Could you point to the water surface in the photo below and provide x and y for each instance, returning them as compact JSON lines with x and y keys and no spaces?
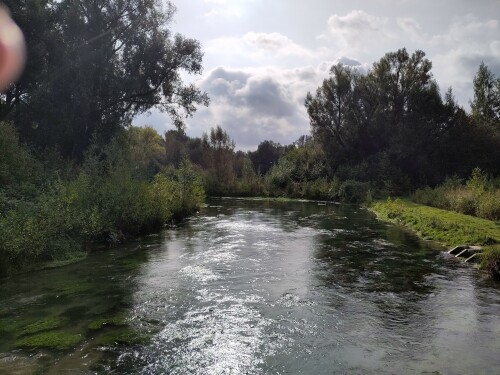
{"x":252,"y":287}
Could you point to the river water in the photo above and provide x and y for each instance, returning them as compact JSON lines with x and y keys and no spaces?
{"x":253,"y":287}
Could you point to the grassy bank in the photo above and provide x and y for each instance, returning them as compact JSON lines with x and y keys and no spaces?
{"x":447,"y":227}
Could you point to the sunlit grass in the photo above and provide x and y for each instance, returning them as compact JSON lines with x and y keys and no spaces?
{"x":447,"y":227}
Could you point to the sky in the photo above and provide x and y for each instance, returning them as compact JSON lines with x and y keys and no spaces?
{"x":261,"y":57}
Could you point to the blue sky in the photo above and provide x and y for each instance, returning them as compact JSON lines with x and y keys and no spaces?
{"x":263,"y":56}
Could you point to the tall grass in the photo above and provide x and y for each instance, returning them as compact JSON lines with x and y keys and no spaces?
{"x":478,"y":196}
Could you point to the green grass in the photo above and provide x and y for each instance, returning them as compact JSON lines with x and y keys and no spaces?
{"x":447,"y":227}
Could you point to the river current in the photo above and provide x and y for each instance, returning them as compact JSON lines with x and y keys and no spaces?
{"x":255,"y":287}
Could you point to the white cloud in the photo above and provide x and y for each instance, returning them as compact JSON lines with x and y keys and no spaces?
{"x":259,"y":92}
{"x":226,"y":9}
{"x":275,"y":43}
{"x":255,"y":104}
{"x":357,"y":28}
{"x":411,"y":27}
{"x":467,"y":42}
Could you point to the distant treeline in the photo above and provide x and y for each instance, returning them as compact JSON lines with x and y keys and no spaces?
{"x":386,"y":132}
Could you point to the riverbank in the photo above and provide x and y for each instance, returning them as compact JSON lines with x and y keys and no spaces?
{"x":53,"y":211}
{"x":447,"y":227}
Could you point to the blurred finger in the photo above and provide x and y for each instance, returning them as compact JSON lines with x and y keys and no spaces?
{"x":12,"y":50}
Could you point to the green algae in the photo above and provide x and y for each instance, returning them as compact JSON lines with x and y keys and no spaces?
{"x":42,"y":325}
{"x":133,"y":263}
{"x":116,"y":321}
{"x":55,"y":340}
{"x":121,"y":336}
{"x":10,"y":325}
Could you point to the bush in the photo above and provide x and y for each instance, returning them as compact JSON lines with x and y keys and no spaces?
{"x":479,"y":196}
{"x":19,"y":171}
{"x":41,"y":230}
{"x":488,"y":206}
{"x":490,"y":261}
{"x":354,"y":191}
{"x":109,"y":198}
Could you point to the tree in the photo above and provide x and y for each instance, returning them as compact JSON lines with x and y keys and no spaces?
{"x":329,"y":109}
{"x":219,"y":149}
{"x":486,"y":104}
{"x":266,"y":155}
{"x":403,"y":81}
{"x":386,"y":125}
{"x":101,"y":63}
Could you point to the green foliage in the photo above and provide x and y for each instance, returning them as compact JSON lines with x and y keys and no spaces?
{"x":93,"y":66}
{"x":19,"y":171}
{"x":478,"y":197}
{"x":490,"y":261}
{"x":111,"y":197}
{"x":486,"y":104}
{"x":281,"y":175}
{"x":266,"y":156}
{"x":354,"y":191}
{"x":431,"y":223}
{"x":391,"y":128}
{"x":478,"y":182}
{"x":220,"y":174}
{"x":39,"y":230}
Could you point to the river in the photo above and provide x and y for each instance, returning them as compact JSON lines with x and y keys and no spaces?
{"x":255,"y":287}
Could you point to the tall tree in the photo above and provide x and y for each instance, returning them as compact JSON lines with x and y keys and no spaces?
{"x":266,"y":155}
{"x":329,"y":109}
{"x":219,"y":149}
{"x":486,"y":104}
{"x":385,"y":125}
{"x":102,"y":62}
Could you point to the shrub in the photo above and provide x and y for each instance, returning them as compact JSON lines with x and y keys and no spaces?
{"x":19,"y":171}
{"x":352,"y":191}
{"x":461,"y":200}
{"x":107,"y":199}
{"x":479,"y":196}
{"x":488,"y":206}
{"x":490,"y":262}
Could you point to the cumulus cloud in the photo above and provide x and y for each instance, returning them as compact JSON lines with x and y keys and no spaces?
{"x":467,"y":42}
{"x":259,"y":93}
{"x":255,"y":104}
{"x":225,"y":9}
{"x":357,"y":27}
{"x":411,"y":27}
{"x":275,"y":43}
